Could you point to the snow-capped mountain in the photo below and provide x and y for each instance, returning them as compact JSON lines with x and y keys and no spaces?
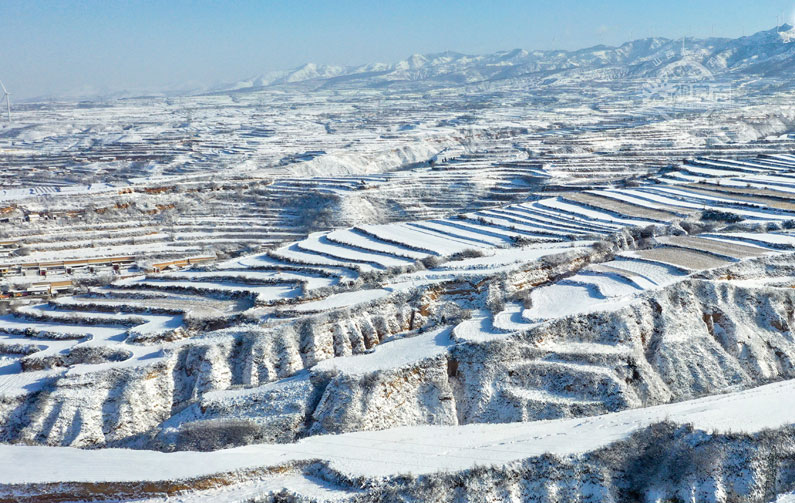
{"x":770,"y":53}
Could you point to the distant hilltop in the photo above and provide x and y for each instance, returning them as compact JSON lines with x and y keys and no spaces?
{"x":769,"y":53}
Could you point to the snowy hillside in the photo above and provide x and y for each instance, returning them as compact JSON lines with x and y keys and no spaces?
{"x":592,"y":302}
{"x":540,"y":276}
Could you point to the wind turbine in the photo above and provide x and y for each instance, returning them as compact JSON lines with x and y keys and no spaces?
{"x":6,"y":94}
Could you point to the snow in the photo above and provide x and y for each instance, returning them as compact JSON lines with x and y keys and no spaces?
{"x":416,"y":449}
{"x":10,"y":322}
{"x":757,"y":238}
{"x":459,"y":231}
{"x":349,"y":237}
{"x":87,"y":252}
{"x":561,"y":300}
{"x":558,"y":220}
{"x":608,"y":284}
{"x":263,"y":292}
{"x":679,"y":258}
{"x":333,"y":182}
{"x":15,"y":382}
{"x":479,"y":328}
{"x":513,"y":222}
{"x":591,"y":214}
{"x":657,"y":273}
{"x":293,"y":253}
{"x":393,"y":354}
{"x":506,"y":256}
{"x":510,"y":319}
{"x":418,"y":239}
{"x":261,"y":261}
{"x":253,"y":489}
{"x":27,"y":192}
{"x":729,"y":204}
{"x":312,"y":281}
{"x":495,"y":261}
{"x":716,"y":247}
{"x":651,"y":196}
{"x":647,"y":200}
{"x":340,"y":300}
{"x":318,"y":243}
{"x":711,"y":172}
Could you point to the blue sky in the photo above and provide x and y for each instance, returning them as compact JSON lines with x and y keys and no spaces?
{"x":51,"y":47}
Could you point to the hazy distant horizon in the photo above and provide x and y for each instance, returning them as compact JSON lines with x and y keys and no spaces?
{"x":85,"y":47}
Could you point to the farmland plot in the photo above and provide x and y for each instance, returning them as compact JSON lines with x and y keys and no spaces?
{"x":349,"y":295}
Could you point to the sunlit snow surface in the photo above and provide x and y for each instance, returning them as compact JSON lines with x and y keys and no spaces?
{"x":415,"y":450}
{"x":387,"y":272}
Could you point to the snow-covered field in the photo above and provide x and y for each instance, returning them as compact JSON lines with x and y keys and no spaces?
{"x":377,"y":334}
{"x":324,"y":290}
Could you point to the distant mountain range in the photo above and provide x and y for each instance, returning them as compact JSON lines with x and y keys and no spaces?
{"x":768,"y":53}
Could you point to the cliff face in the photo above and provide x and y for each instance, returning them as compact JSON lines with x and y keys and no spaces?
{"x":698,"y":336}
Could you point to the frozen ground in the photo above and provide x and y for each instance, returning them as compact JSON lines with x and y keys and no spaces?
{"x":430,"y":289}
{"x":408,"y":450}
{"x":363,"y":338}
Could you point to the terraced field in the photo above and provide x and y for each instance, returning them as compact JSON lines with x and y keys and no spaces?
{"x":512,"y":283}
{"x":610,"y":309}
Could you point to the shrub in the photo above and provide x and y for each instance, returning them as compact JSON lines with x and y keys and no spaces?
{"x":720,"y":216}
{"x":468,"y":253}
{"x":432,"y":261}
